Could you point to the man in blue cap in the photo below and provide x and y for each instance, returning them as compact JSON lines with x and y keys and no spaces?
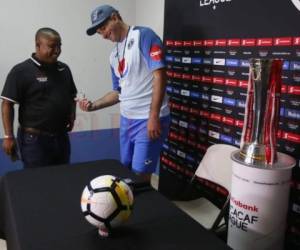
{"x":139,"y":81}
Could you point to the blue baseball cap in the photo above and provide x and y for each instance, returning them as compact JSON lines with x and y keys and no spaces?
{"x":99,"y":16}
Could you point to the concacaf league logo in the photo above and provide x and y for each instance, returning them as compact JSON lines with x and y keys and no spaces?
{"x":296,"y":3}
{"x":213,"y":3}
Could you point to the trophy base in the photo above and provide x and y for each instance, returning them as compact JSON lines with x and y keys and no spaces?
{"x":253,"y":154}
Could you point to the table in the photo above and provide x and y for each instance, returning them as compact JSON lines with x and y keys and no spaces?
{"x":40,"y":210}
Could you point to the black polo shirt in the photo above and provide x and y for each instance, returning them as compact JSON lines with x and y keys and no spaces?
{"x":45,"y":94}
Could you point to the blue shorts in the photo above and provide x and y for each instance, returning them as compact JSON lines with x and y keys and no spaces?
{"x":138,"y":152}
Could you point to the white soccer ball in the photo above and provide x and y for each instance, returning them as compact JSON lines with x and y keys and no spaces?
{"x":106,"y":202}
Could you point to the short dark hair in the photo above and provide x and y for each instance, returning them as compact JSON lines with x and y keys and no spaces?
{"x":46,"y":31}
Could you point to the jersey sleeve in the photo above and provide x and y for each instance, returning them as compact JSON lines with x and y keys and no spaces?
{"x":12,"y":87}
{"x":152,"y":49}
{"x":115,"y":81}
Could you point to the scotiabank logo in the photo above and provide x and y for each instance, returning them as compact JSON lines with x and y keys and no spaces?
{"x":252,"y":208}
{"x":156,"y":53}
{"x":296,"y":3}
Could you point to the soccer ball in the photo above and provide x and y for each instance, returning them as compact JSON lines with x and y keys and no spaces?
{"x":106,"y":202}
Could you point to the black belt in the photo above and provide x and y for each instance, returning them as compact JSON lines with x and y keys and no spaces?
{"x":37,"y":131}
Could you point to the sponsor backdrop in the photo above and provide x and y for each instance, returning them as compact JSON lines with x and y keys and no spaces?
{"x":207,"y":47}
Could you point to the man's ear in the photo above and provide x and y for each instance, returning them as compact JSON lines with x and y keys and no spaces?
{"x":114,"y":16}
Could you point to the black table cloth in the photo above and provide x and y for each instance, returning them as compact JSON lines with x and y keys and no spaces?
{"x":40,"y":210}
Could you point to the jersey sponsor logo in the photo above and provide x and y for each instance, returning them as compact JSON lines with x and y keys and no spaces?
{"x":42,"y":79}
{"x":156,"y":53}
{"x":296,"y":3}
{"x":130,"y":44}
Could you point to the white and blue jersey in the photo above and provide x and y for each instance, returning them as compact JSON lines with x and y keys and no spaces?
{"x":132,"y":75}
{"x":132,"y":63}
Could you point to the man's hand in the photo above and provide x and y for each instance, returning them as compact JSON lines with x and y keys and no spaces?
{"x":9,"y":146}
{"x":154,"y":128}
{"x":84,"y":104}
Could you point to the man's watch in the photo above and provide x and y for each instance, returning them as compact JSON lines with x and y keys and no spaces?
{"x":8,"y":137}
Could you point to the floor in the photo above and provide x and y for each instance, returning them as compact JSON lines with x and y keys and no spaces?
{"x":202,"y":211}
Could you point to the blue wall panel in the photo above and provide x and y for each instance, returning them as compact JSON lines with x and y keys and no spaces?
{"x":86,"y":146}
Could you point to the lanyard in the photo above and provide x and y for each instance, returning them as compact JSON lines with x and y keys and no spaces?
{"x":121,"y":62}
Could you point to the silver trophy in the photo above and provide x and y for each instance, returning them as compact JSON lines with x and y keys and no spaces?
{"x":258,"y":142}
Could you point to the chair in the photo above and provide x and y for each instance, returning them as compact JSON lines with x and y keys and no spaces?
{"x":212,"y":181}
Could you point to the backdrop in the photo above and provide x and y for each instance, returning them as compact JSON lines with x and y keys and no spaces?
{"x":207,"y":47}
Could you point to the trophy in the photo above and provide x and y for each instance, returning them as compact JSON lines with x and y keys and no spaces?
{"x":258,"y":142}
{"x":260,"y":175}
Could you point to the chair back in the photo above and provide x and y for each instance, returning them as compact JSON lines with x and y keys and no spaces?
{"x":216,"y":165}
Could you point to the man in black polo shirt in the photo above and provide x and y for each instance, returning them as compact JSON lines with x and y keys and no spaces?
{"x":44,"y":89}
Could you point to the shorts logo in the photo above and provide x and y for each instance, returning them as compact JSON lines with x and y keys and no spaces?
{"x":148,"y":162}
{"x":156,"y":53}
{"x":296,"y":3}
